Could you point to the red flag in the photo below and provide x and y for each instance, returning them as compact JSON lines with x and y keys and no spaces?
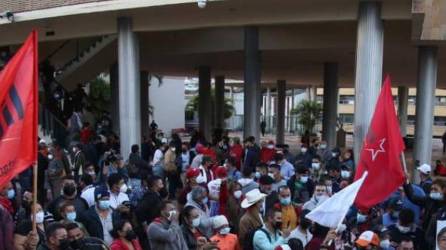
{"x":381,"y":152}
{"x":18,"y":111}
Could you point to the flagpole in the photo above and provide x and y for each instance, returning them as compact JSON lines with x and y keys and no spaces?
{"x":34,"y":207}
{"x":404,"y":163}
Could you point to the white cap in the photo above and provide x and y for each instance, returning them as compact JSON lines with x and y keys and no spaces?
{"x":425,"y":169}
{"x":42,"y":141}
{"x":219,"y":221}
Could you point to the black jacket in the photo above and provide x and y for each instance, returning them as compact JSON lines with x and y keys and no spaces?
{"x":302,"y":195}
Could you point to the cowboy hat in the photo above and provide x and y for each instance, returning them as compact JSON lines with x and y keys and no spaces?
{"x":252,"y":197}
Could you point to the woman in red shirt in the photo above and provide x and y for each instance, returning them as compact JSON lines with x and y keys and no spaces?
{"x":124,"y":237}
{"x":236,"y":152}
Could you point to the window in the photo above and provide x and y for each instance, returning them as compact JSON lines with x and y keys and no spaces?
{"x":347,"y":99}
{"x":346,"y":118}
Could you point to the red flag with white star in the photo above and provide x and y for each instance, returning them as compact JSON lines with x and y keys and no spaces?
{"x":380,"y":154}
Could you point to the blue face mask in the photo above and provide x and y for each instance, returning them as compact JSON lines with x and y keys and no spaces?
{"x":71,"y":216}
{"x":258,"y":175}
{"x":360,"y":218}
{"x":205,"y":201}
{"x":11,"y":194}
{"x":104,"y":204}
{"x":285,"y":201}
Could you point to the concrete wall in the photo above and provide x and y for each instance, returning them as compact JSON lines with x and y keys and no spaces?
{"x":28,"y":5}
{"x":168,"y":101}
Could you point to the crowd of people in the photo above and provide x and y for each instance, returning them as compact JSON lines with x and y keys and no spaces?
{"x":177,"y":194}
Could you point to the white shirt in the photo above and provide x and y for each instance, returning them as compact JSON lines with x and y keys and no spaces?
{"x":196,"y":162}
{"x":203,"y":177}
{"x":116,"y":200}
{"x":297,"y":234}
{"x":214,"y":188}
{"x":185,"y":157}
{"x":88,"y":195}
{"x":158,"y":156}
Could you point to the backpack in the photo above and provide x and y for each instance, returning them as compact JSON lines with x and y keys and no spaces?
{"x":248,"y":242}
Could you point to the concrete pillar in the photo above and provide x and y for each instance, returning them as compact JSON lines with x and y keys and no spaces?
{"x":145,"y":82}
{"x":204,"y":102}
{"x":268,"y":109}
{"x":330,"y":104}
{"x":426,"y":84}
{"x":252,"y":90}
{"x":114,"y":84}
{"x":129,"y":86}
{"x":219,"y":102}
{"x":281,"y":96}
{"x":369,"y":61}
{"x":403,"y":98}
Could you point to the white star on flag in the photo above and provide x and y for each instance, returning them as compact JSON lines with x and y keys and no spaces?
{"x":375,"y":152}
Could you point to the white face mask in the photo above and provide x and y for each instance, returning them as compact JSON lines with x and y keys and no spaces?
{"x":323,"y":146}
{"x":304,"y":179}
{"x":333,"y":154}
{"x":316,"y":165}
{"x":345,"y":174}
{"x":196,"y":222}
{"x":403,"y":229}
{"x":123,"y":188}
{"x":271,"y":175}
{"x":238,"y":194}
{"x":303,"y":150}
{"x":329,"y":189}
{"x":171,"y":215}
{"x":50,"y":157}
{"x":173,"y":149}
{"x":270,"y":146}
{"x":40,"y":216}
{"x":385,"y":244}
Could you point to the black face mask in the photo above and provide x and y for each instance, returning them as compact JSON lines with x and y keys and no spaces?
{"x":77,"y":244}
{"x":64,"y":244}
{"x":305,"y":224}
{"x":69,"y":190}
{"x":278,"y":225}
{"x":130,"y":235}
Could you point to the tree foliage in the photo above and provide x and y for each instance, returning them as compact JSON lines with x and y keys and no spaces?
{"x":308,"y":113}
{"x":192,"y":106}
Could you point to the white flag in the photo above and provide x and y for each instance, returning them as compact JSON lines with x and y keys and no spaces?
{"x":332,"y":212}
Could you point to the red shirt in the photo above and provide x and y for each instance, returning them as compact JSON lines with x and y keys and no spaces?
{"x":120,"y":245}
{"x":85,"y":135}
{"x":267,"y":154}
{"x":440,"y":170}
{"x":237,"y":153}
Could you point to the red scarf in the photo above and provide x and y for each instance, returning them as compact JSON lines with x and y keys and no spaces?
{"x":7,"y":204}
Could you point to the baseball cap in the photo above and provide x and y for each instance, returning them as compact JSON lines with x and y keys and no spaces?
{"x":192,"y":172}
{"x":425,"y":168}
{"x":101,"y":192}
{"x":368,"y":238}
{"x":221,"y":172}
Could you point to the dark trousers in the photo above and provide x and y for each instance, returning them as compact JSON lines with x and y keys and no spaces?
{"x":175,"y":183}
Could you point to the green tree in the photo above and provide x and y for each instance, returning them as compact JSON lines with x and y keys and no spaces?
{"x":99,"y":98}
{"x":192,"y":107}
{"x":308,"y":113}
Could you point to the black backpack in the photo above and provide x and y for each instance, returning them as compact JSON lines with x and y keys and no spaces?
{"x":248,"y":243}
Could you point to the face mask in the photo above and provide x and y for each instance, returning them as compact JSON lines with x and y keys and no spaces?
{"x":304,"y":179}
{"x":130,"y":235}
{"x":285,"y":201}
{"x":385,"y":244}
{"x":171,"y":215}
{"x":77,"y":244}
{"x":225,"y":230}
{"x":196,"y":222}
{"x":323,"y":146}
{"x":71,"y":216}
{"x":50,"y":157}
{"x":258,"y":175}
{"x":333,"y":155}
{"x":200,"y":179}
{"x":270,"y":146}
{"x":69,"y":190}
{"x":104,"y":204}
{"x":329,"y":189}
{"x":92,"y":173}
{"x":237,"y":194}
{"x":361,"y":218}
{"x":345,"y":174}
{"x":436,"y":196}
{"x":11,"y":194}
{"x":64,"y":244}
{"x":173,"y":149}
{"x":403,"y":229}
{"x":303,"y":150}
{"x":271,"y":175}
{"x":74,"y":150}
{"x":395,"y":214}
{"x":320,"y":198}
{"x":123,"y":188}
{"x":40,"y":216}
{"x":315,"y":165}
{"x":204,"y":200}
{"x":278,"y":225}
